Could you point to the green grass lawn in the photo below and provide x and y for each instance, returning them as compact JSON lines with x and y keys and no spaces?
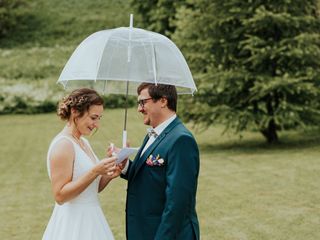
{"x":247,"y":190}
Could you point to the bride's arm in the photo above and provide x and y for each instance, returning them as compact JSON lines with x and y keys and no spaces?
{"x":105,"y":179}
{"x":61,"y":168}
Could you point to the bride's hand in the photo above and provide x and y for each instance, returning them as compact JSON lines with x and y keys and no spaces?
{"x":116,"y":173}
{"x":106,"y":166}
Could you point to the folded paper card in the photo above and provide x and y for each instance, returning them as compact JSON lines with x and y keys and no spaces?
{"x":125,"y":153}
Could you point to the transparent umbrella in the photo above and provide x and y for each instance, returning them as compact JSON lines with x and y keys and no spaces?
{"x":118,"y":60}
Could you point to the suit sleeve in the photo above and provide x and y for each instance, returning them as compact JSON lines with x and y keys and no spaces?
{"x":182,"y":174}
{"x":125,"y":176}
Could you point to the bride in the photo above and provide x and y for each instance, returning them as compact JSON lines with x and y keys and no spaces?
{"x":76,"y":173}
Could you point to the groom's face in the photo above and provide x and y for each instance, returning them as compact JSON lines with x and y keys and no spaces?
{"x":149,"y":108}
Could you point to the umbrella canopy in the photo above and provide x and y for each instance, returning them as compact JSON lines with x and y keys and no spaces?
{"x":110,"y":58}
{"x":118,"y":60}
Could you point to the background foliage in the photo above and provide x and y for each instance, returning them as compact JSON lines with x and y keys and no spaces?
{"x":11,"y":14}
{"x":157,"y":15}
{"x":38,"y":43}
{"x":256,"y":63}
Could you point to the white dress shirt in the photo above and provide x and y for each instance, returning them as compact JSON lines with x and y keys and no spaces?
{"x":159,"y":129}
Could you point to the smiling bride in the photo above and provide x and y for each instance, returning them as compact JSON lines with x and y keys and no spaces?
{"x":76,"y":174}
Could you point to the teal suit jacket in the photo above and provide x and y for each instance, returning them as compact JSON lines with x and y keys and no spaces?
{"x":161,"y":199}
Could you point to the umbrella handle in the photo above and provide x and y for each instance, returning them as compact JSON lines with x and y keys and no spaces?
{"x":124,"y":139}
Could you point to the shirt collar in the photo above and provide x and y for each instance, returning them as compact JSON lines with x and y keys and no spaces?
{"x":165,"y":124}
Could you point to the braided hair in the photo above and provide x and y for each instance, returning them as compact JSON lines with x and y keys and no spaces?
{"x":80,"y":100}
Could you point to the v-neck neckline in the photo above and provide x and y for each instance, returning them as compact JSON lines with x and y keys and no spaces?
{"x":87,"y":155}
{"x":93,"y":161}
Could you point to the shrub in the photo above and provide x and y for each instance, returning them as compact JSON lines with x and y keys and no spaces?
{"x":28,"y":100}
{"x":10,"y":11}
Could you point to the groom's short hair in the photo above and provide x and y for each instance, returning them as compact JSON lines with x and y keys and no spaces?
{"x":161,"y":91}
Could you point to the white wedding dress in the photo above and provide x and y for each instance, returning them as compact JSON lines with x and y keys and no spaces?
{"x":81,"y":218}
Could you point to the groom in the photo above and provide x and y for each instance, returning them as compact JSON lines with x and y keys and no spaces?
{"x":162,"y":179}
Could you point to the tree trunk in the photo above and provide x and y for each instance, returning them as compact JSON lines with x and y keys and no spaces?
{"x":270,"y":133}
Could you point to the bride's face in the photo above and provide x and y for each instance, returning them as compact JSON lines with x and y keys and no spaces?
{"x":90,"y":120}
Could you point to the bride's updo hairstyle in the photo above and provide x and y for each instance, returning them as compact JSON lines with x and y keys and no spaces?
{"x":80,"y":100}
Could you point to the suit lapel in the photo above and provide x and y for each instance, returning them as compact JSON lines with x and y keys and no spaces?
{"x":136,"y":159}
{"x":140,"y":160}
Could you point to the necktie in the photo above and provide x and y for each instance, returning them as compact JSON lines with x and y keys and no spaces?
{"x":152,"y":132}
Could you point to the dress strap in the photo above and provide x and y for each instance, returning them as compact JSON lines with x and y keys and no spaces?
{"x":53,"y":142}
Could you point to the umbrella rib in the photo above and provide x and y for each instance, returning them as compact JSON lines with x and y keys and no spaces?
{"x":153,"y":62}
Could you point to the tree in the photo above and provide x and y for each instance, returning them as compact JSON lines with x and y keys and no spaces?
{"x":10,"y":11}
{"x":157,"y":15}
{"x":256,"y":63}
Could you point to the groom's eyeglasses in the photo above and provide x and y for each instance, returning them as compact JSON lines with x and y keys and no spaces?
{"x":142,"y":102}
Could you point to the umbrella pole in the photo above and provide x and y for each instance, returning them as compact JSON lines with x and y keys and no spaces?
{"x":124,"y":134}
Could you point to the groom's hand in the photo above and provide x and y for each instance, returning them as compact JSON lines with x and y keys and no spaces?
{"x":122,"y":164}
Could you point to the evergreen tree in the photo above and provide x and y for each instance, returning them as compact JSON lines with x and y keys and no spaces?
{"x":257,"y":63}
{"x":157,"y":15}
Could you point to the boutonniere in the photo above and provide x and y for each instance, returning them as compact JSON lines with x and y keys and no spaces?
{"x":155,"y":161}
